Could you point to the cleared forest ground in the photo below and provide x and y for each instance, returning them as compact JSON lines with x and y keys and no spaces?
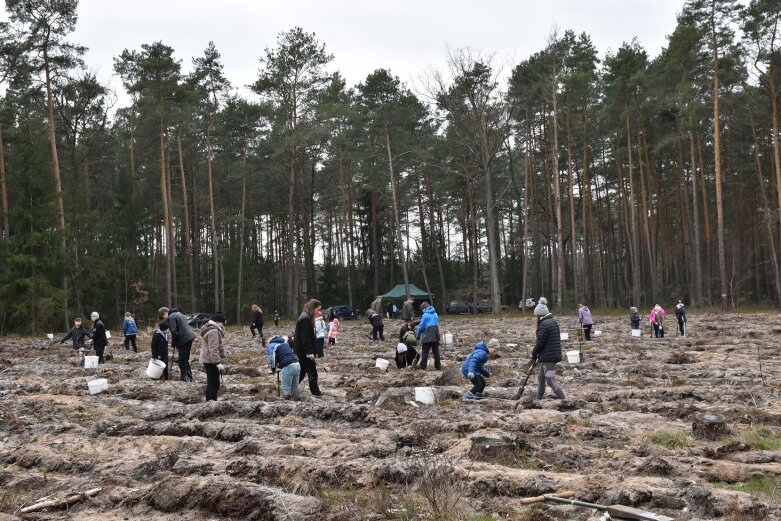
{"x":623,"y":436}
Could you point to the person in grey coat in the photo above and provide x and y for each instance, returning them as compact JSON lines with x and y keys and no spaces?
{"x":182,"y":336}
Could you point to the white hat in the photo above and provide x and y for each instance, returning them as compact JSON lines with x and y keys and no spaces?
{"x":94,"y":315}
{"x":493,"y":343}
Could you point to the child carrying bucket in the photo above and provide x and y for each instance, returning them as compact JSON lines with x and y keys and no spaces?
{"x":160,"y":346}
{"x":79,"y":334}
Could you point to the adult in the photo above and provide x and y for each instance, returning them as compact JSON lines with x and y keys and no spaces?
{"x":98,"y":335}
{"x":408,"y":310}
{"x":428,"y":335}
{"x":656,"y":318}
{"x":585,"y":319}
{"x":257,"y":321}
{"x":305,"y":347}
{"x":182,"y":337}
{"x":129,"y":330}
{"x":376,"y":305}
{"x":394,"y":311}
{"x":212,"y":353}
{"x":547,"y":350}
{"x":680,"y":315}
{"x":473,"y":367}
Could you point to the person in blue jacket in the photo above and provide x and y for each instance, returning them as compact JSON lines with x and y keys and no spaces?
{"x":282,"y":358}
{"x":428,"y":335}
{"x":129,"y":330}
{"x":473,"y":367}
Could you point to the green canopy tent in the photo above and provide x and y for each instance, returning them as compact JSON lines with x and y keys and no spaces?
{"x":415,"y":293}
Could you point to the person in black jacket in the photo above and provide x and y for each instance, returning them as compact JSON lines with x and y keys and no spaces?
{"x":680,"y":315}
{"x":304,"y":345}
{"x":257,"y":321}
{"x":79,"y":334}
{"x":98,"y":334}
{"x":547,"y":350}
{"x":375,"y":319}
{"x":160,"y":346}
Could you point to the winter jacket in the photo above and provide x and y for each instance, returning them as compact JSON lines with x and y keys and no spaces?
{"x":376,"y":306}
{"x":407,"y":311}
{"x":257,"y":320}
{"x":212,"y":350}
{"x":548,"y":346}
{"x":657,"y":317}
{"x":404,"y":330}
{"x":280,"y":354}
{"x":634,"y":320}
{"x":584,"y":316}
{"x":319,"y":327}
{"x":375,"y":319}
{"x":333,"y":330}
{"x":304,"y":337}
{"x":98,"y":335}
{"x":680,"y":313}
{"x":79,"y":334}
{"x":181,"y":332}
{"x":476,"y":360}
{"x":428,"y":330}
{"x":159,"y":342}
{"x":129,"y":326}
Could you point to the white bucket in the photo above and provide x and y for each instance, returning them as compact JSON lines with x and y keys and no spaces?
{"x":381,"y":364}
{"x":50,"y":336}
{"x":90,"y":362}
{"x":425,"y":395}
{"x":448,"y":338}
{"x":573,"y":357}
{"x":597,"y":332}
{"x":637,"y":332}
{"x":155,"y":369}
{"x":565,"y":336}
{"x":98,"y":386}
{"x":108,"y":334}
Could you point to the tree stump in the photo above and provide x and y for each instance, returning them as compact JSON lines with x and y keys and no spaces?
{"x":709,"y":426}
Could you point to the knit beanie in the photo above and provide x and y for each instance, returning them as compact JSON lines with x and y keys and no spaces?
{"x":219,"y":317}
{"x":493,"y":343}
{"x":542,"y":307}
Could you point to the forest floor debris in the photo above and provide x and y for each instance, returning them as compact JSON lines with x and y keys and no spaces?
{"x":369,"y":451}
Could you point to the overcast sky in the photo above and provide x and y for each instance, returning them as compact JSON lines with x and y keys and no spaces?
{"x":405,"y":36}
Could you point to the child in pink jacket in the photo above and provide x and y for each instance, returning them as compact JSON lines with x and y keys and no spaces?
{"x":333,"y":331}
{"x":656,"y":317}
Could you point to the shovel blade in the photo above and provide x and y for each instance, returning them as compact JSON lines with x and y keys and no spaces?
{"x":623,"y":512}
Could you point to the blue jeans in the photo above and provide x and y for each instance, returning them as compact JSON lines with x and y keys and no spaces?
{"x":289,"y":380}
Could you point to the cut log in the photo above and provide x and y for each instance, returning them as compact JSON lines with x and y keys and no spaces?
{"x":61,"y":503}
{"x":709,"y":426}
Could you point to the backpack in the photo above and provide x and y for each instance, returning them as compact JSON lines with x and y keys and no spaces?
{"x":409,"y":338}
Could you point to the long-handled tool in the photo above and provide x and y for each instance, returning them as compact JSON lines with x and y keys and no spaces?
{"x":615,"y":511}
{"x":523,"y":385}
{"x":277,"y":383}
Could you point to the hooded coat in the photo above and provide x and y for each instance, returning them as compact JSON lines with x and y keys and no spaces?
{"x":428,"y":330}
{"x":212,"y":350}
{"x":476,"y":360}
{"x":548,"y":346}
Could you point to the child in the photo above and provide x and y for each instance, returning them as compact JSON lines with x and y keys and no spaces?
{"x":276,"y":318}
{"x":129,"y":330}
{"x":79,"y":334}
{"x":680,"y":314}
{"x":319,"y":333}
{"x":634,"y":318}
{"x":160,"y":346}
{"x":333,"y":330}
{"x":656,"y":317}
{"x":375,"y":319}
{"x":473,"y":367}
{"x":281,"y":357}
{"x":406,"y":355}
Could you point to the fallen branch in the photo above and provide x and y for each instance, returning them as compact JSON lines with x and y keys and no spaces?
{"x":61,"y":503}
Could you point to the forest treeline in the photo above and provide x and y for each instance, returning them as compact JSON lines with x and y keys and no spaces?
{"x":618,"y":181}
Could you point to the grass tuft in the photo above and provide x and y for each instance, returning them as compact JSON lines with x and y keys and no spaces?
{"x":761,"y":438}
{"x":768,"y":486}
{"x":672,"y":440}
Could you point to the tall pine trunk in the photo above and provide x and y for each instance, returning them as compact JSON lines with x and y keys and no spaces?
{"x":493,"y":246}
{"x":242,"y":214}
{"x":187,"y":238}
{"x":213,"y":218}
{"x":4,"y":190}
{"x":166,"y":218}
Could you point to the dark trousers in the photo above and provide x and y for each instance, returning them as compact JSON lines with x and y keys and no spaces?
{"x":212,"y":381}
{"x":434,"y":348}
{"x":407,"y":358}
{"x":478,"y":384}
{"x":681,"y":328}
{"x":259,"y":329}
{"x":658,"y":331}
{"x":587,"y":331}
{"x":161,"y":353}
{"x":99,"y":352}
{"x":319,"y":342}
{"x":185,"y":374}
{"x":309,"y":368}
{"x":379,"y":329}
{"x":131,"y":339}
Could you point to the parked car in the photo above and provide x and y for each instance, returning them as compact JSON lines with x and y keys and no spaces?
{"x":530,"y":304}
{"x":342,"y":312}
{"x":458,"y":307}
{"x":196,"y":320}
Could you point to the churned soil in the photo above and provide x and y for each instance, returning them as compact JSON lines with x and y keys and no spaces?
{"x":367,"y":450}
